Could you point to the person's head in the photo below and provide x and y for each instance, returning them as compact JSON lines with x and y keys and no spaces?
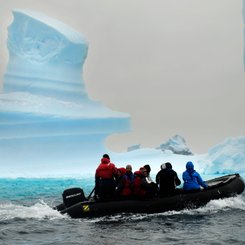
{"x":189,"y":166}
{"x":106,"y":156}
{"x":143,"y":171}
{"x":137,"y":173}
{"x":148,"y":168}
{"x":128,"y":168}
{"x":168,"y":165}
{"x":121,"y":171}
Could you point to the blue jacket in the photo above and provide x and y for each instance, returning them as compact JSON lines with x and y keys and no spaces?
{"x":192,"y":179}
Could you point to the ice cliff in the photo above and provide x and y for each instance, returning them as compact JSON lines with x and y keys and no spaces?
{"x":46,"y":117}
{"x":226,"y":157}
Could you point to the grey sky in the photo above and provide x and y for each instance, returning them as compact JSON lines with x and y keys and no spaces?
{"x":176,"y":66}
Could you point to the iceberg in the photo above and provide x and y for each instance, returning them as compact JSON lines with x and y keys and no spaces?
{"x":226,"y":157}
{"x":47,"y":120}
{"x":177,"y":145}
{"x":49,"y":127}
{"x":45,"y":58}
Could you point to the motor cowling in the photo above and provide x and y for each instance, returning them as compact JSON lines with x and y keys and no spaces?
{"x":72,"y":196}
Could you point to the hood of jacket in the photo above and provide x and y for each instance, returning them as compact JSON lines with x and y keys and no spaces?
{"x":105,"y":160}
{"x":190,"y":167}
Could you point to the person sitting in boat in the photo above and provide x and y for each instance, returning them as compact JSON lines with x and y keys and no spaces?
{"x":167,"y":180}
{"x":141,"y":188}
{"x":129,"y":173}
{"x":192,"y":179}
{"x":149,"y":179}
{"x":148,"y":170}
{"x":124,"y":186}
{"x":105,"y":184}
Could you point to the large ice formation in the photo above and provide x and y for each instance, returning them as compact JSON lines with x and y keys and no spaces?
{"x":46,"y":116}
{"x":177,"y":145}
{"x":226,"y":157}
{"x":50,"y":127}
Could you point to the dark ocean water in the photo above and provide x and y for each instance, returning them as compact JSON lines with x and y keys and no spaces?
{"x":27,"y":217}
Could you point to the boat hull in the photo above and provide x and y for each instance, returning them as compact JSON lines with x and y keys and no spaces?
{"x":223,"y":187}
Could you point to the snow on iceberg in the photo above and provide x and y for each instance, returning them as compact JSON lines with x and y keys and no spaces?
{"x":46,"y":57}
{"x":177,"y":145}
{"x":226,"y":157}
{"x":47,"y":121}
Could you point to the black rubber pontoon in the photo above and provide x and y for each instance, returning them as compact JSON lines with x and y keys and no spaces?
{"x":222,"y":187}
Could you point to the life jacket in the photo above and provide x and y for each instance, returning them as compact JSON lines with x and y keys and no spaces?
{"x":138,"y":189}
{"x":124,"y":184}
{"x":106,"y":169}
{"x":127,"y":187}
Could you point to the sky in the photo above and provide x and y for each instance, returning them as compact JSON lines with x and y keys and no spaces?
{"x":175,"y":66}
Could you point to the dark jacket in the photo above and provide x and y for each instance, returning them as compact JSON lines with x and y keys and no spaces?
{"x":130,"y":176}
{"x":167,"y":180}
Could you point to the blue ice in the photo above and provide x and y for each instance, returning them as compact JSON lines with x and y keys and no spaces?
{"x":48,"y":122}
{"x":50,"y":127}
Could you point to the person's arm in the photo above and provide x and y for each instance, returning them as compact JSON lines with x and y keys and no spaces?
{"x":144,"y":183}
{"x":148,"y":179}
{"x":201,"y":182}
{"x":158,"y":178}
{"x":177,"y":180}
{"x":114,"y":170}
{"x":184,"y":177}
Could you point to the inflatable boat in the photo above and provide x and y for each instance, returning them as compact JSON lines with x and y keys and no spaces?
{"x":77,"y":206}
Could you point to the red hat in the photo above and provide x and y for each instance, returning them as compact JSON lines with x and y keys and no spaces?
{"x":122,"y":170}
{"x":137,"y":173}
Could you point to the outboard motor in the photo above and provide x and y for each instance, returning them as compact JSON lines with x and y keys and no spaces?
{"x":72,"y":196}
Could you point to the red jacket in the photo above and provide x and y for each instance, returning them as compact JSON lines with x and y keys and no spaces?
{"x":124,"y":184}
{"x":106,"y":169}
{"x":126,"y":191}
{"x":139,"y":189}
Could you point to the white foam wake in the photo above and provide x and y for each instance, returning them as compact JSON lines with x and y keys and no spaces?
{"x":215,"y":206}
{"x":39,"y":211}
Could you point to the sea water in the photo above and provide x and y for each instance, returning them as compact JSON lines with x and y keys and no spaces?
{"x":27,"y":217}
